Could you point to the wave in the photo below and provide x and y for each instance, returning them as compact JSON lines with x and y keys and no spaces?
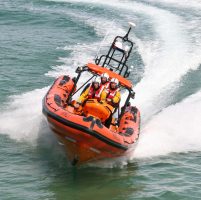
{"x":175,"y":129}
{"x":22,"y":117}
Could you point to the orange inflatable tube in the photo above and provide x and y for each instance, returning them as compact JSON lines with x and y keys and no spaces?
{"x":83,"y":134}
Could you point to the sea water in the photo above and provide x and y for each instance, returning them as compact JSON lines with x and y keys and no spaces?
{"x":42,"y":39}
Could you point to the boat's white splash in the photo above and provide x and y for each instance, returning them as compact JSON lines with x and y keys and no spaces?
{"x":22,"y":117}
{"x":175,"y":129}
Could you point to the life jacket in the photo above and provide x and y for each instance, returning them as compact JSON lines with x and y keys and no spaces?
{"x":95,"y":94}
{"x":111,"y":93}
{"x":106,"y":85}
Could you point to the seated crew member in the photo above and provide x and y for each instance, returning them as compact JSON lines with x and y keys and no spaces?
{"x":113,"y":97}
{"x":105,"y":80}
{"x":95,"y":91}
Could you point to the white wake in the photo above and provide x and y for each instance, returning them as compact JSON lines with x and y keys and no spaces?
{"x":22,"y":116}
{"x":175,"y":129}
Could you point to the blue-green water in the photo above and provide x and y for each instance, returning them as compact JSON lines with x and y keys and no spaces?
{"x":41,"y":39}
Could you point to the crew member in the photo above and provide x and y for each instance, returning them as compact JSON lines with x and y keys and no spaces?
{"x":95,"y":91}
{"x":113,"y":98}
{"x":113,"y":94}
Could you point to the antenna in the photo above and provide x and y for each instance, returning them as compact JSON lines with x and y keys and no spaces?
{"x":131,"y":24}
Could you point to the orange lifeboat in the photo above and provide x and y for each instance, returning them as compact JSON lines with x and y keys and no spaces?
{"x":82,"y":131}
